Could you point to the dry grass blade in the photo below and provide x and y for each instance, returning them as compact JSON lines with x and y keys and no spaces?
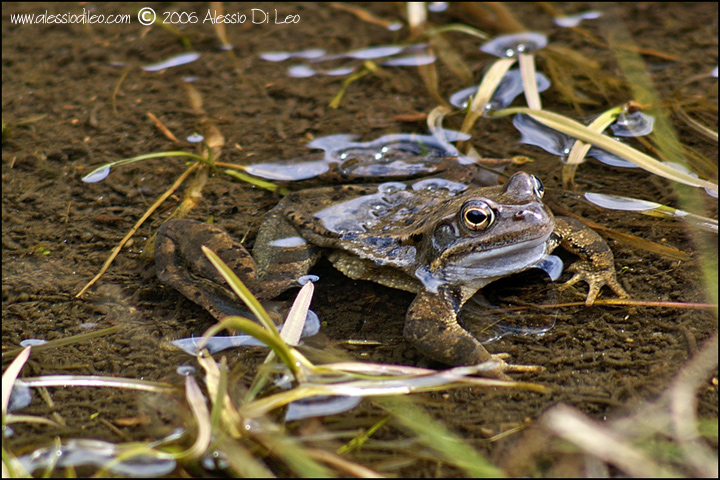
{"x":580,"y":149}
{"x":295,"y":322}
{"x":137,"y":225}
{"x":216,"y":380}
{"x":603,"y":121}
{"x":364,"y":15}
{"x":220,"y":26}
{"x":491,"y":80}
{"x":417,"y":17}
{"x":683,"y":404}
{"x":9,"y":376}
{"x":11,"y":418}
{"x":527,"y":71}
{"x":97,"y":381}
{"x":202,"y":419}
{"x":577,"y":130}
{"x":598,"y":440}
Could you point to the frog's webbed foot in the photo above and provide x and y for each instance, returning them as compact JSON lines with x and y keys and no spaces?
{"x":595,"y":278}
{"x":431,"y":326}
{"x":497,"y":367}
{"x":596,"y":264}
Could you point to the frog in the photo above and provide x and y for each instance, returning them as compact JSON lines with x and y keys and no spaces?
{"x":437,"y":238}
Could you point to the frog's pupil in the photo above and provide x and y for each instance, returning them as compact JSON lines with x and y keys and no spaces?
{"x":475,"y":216}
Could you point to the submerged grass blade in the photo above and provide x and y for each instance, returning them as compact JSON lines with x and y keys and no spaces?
{"x":294,"y":454}
{"x":137,"y":225}
{"x":435,"y":435}
{"x":368,"y":68}
{"x":460,"y":28}
{"x":243,"y":462}
{"x":63,"y":342}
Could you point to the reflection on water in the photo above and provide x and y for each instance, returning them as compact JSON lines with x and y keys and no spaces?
{"x":535,"y":133}
{"x":175,"y":61}
{"x":395,"y":155}
{"x":395,"y":55}
{"x":507,"y":46}
{"x":491,"y":313}
{"x":510,"y":87}
{"x":87,"y":452}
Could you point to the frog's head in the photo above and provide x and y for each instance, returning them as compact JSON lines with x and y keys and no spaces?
{"x":488,"y":233}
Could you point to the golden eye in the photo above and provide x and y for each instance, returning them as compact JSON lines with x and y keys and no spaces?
{"x":477,"y":215}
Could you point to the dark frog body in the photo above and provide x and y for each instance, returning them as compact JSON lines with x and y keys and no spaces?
{"x":439,"y":239}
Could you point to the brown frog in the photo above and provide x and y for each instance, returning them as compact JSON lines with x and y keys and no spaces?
{"x":437,"y":238}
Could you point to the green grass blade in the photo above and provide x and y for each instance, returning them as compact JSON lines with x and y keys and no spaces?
{"x":125,"y":161}
{"x":434,"y":434}
{"x":257,"y":182}
{"x":241,"y":290}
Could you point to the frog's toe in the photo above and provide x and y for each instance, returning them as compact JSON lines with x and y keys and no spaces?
{"x":596,"y":279}
{"x":497,"y":367}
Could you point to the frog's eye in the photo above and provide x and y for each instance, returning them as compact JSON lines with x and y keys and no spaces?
{"x":538,"y":186}
{"x":477,"y":215}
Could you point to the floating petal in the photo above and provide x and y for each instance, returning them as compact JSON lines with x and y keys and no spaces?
{"x":175,"y":61}
{"x":96,"y":175}
{"x":568,"y":21}
{"x":514,"y":44}
{"x":635,"y":124}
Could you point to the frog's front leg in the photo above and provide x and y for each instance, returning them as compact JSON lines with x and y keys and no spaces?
{"x":431,"y":326}
{"x":596,"y":263}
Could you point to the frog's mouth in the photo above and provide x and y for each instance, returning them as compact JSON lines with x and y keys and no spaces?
{"x":482,"y":267}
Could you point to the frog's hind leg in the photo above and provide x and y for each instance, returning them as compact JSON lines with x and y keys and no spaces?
{"x":180,"y":263}
{"x":282,"y":255}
